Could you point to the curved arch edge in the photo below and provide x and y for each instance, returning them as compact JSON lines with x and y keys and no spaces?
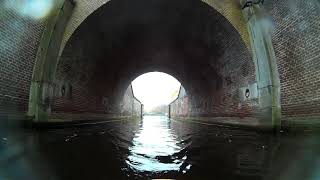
{"x":42,"y":85}
{"x":232,"y":11}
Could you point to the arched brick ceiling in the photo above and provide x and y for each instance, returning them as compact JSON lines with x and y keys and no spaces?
{"x":123,"y":39}
{"x":230,"y":9}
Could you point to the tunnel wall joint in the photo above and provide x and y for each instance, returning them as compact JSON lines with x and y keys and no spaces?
{"x":266,"y":66}
{"x":41,"y":89}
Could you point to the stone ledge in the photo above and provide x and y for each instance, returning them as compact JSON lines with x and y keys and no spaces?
{"x":311,"y":123}
{"x":69,"y":117}
{"x":235,"y":122}
{"x":65,"y":120}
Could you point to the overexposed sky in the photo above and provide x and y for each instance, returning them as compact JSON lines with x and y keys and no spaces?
{"x":35,"y":9}
{"x":155,"y":88}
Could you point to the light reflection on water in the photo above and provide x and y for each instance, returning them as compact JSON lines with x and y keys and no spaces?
{"x":156,"y":147}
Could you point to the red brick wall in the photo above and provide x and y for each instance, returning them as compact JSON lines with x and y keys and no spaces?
{"x":237,"y":70}
{"x":296,"y":41}
{"x":234,"y":69}
{"x":75,"y":71}
{"x":80,"y":90}
{"x":180,"y":107}
{"x":130,"y":105}
{"x":19,"y":39}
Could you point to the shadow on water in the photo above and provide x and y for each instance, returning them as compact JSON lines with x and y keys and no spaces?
{"x":157,"y":147}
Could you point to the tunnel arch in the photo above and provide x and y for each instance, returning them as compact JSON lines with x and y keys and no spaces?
{"x":191,"y":41}
{"x":37,"y":44}
{"x":230,"y":9}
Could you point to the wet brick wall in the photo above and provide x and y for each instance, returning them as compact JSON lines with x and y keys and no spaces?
{"x":296,"y":41}
{"x":236,"y":71}
{"x":20,"y":35}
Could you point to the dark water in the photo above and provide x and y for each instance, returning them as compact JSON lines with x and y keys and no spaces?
{"x":156,"y":147}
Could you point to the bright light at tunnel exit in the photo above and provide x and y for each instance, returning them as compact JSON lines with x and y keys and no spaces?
{"x":155,"y":88}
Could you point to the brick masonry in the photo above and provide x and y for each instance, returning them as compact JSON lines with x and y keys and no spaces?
{"x":19,"y":39}
{"x":235,"y":70}
{"x":228,"y":8}
{"x":81,"y":11}
{"x":213,"y":63}
{"x":77,"y":90}
{"x":295,"y":37}
{"x":296,"y":40}
{"x":73,"y":90}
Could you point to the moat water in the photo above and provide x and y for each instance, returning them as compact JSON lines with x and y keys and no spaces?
{"x":157,"y":147}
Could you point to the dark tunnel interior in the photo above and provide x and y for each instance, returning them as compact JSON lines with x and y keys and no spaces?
{"x":124,"y":39}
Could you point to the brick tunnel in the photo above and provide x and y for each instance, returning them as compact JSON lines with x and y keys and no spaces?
{"x":255,"y":62}
{"x":248,"y":106}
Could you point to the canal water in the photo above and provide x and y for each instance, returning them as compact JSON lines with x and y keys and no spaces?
{"x":157,"y":147}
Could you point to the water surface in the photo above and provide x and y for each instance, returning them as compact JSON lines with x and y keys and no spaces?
{"x":157,"y":147}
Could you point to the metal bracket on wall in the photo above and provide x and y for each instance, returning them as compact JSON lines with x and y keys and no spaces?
{"x":268,"y":81}
{"x":249,"y":92}
{"x":251,"y":3}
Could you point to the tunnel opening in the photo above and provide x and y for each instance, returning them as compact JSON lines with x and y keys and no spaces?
{"x":156,"y":90}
